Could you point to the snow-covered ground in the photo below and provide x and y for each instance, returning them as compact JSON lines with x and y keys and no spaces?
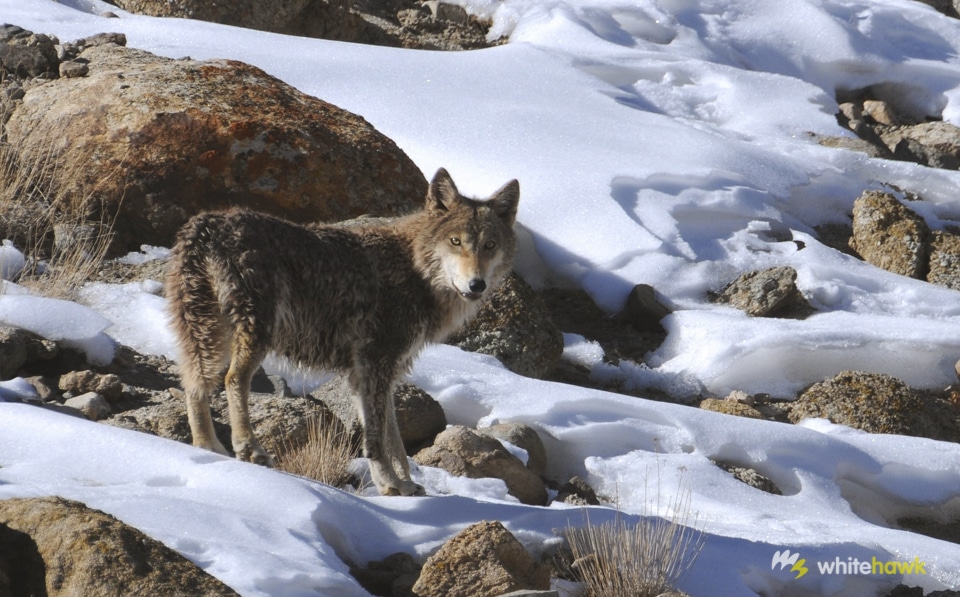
{"x":655,"y":142}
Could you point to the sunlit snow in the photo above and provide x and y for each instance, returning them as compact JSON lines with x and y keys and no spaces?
{"x":657,"y":142}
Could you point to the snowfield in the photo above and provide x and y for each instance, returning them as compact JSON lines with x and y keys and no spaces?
{"x":657,"y":142}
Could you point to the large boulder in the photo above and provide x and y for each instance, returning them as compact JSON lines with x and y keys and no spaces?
{"x":61,"y":548}
{"x":484,"y":560}
{"x":157,"y":140}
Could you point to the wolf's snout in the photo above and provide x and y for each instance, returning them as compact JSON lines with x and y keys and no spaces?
{"x":477,"y":286}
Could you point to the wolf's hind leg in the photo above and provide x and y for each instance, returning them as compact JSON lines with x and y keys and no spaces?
{"x":245,"y":356}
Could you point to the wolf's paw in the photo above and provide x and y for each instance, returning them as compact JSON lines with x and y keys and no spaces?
{"x":254,"y":453}
{"x":407,"y":488}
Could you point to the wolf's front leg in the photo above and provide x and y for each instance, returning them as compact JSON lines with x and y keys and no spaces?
{"x":382,"y":445}
{"x":243,"y":364}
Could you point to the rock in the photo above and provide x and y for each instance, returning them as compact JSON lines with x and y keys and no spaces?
{"x":643,"y":310}
{"x":419,"y":416}
{"x":515,"y":327}
{"x":326,"y":19}
{"x":878,"y":403}
{"x":395,"y":575}
{"x":92,"y":405}
{"x":164,"y":416}
{"x":768,"y":293}
{"x":935,"y":144}
{"x":21,"y":349}
{"x":731,"y":407}
{"x":874,"y":149}
{"x":62,"y":548}
{"x":524,"y":437}
{"x":80,"y":382}
{"x":444,"y":11}
{"x":467,"y":453}
{"x":873,"y":402}
{"x":751,"y":477}
{"x":279,"y":419}
{"x":484,"y":560}
{"x":24,"y":54}
{"x":578,"y":492}
{"x":947,"y":7}
{"x":881,"y":112}
{"x":73,"y":69}
{"x":890,"y":236}
{"x":944,"y":268}
{"x":189,"y":136}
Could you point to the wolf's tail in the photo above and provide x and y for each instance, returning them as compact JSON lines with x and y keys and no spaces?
{"x":196,"y":316}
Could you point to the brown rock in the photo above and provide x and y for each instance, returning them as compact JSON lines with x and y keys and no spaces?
{"x":80,"y":382}
{"x":484,"y":560}
{"x":63,"y":548}
{"x":524,"y":437}
{"x":162,"y":139}
{"x":889,"y":235}
{"x":935,"y":144}
{"x":944,"y":259}
{"x":878,"y":403}
{"x":467,"y":453}
{"x":731,"y":407}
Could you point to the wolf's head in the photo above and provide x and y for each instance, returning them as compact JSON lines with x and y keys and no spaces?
{"x":471,"y":242}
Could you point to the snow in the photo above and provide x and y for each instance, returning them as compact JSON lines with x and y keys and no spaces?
{"x":665,"y":142}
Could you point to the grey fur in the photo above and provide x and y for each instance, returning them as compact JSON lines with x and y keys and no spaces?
{"x":362,"y":297}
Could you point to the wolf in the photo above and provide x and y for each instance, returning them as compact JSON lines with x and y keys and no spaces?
{"x":362,"y":298}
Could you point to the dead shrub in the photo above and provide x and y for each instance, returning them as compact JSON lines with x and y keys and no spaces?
{"x":645,"y":558}
{"x":324,"y":456}
{"x":64,"y":232}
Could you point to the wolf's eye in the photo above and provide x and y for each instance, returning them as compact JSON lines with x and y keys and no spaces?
{"x":455,"y":241}
{"x":490,"y":245}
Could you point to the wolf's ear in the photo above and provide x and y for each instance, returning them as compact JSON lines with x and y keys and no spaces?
{"x":443,"y":194}
{"x":505,"y":201}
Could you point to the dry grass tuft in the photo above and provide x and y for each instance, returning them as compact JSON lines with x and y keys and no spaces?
{"x":644,"y":559}
{"x":324,"y":456}
{"x":64,"y":233}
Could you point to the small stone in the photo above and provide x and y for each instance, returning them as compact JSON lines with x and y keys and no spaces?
{"x":578,"y":492}
{"x":881,"y":112}
{"x":92,"y":405}
{"x":643,"y":310}
{"x":73,"y":69}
